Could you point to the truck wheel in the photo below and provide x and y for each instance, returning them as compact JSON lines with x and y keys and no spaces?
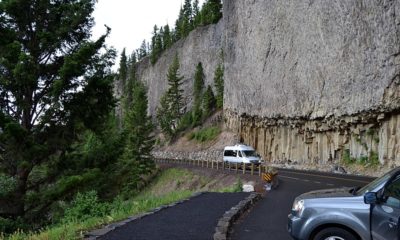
{"x":334,"y":233}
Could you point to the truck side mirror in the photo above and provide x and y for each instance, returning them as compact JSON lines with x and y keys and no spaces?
{"x":370,"y":198}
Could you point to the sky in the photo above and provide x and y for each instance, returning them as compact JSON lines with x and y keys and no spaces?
{"x":131,"y":21}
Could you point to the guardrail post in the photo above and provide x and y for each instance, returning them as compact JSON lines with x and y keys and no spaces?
{"x":207,"y":163}
{"x":236,"y":166}
{"x":212,"y":164}
{"x":229,"y":166}
{"x":252,"y":169}
{"x":244,"y":168}
{"x":217,"y":165}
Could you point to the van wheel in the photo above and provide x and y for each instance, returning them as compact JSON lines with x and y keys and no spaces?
{"x":334,"y":233}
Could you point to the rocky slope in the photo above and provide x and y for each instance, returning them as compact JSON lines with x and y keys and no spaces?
{"x":307,"y":81}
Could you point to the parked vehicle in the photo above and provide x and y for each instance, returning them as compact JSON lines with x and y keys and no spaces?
{"x":368,"y":213}
{"x":241,"y":153}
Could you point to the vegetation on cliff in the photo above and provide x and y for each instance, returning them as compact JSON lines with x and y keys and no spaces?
{"x":190,"y":17}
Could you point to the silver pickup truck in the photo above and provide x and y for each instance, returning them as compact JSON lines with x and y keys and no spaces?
{"x":368,"y":213}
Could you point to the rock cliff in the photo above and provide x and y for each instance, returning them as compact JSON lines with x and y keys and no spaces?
{"x":306,"y":81}
{"x":202,"y":45}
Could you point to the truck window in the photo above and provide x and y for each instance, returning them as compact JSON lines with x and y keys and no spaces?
{"x":392,"y":194}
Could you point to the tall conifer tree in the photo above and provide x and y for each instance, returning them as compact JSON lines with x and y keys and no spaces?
{"x":54,"y":84}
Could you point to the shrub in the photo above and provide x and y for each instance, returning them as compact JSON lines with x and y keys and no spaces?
{"x":84,"y":206}
{"x":205,"y":134}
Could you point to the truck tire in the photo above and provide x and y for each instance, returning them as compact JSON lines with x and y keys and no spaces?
{"x":334,"y":233}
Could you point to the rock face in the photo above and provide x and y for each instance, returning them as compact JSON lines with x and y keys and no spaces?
{"x":202,"y":45}
{"x":314,"y":81}
{"x":305,"y":81}
{"x":311,"y":58}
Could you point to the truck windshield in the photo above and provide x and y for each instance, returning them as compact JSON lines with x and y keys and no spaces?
{"x":374,"y":184}
{"x":249,"y":153}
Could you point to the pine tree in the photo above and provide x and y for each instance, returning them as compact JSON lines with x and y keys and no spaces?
{"x":170,"y":112}
{"x":175,"y":92}
{"x":123,"y":67}
{"x":198,"y":86}
{"x":178,"y":25}
{"x":196,"y":14}
{"x":137,"y":158}
{"x":208,"y":102}
{"x":156,"y":46}
{"x":219,"y":86}
{"x":211,"y":12}
{"x":131,"y":81}
{"x":167,"y":38}
{"x":142,"y":51}
{"x":55,"y":84}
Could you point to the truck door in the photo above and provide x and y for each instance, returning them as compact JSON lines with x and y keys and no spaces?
{"x":385,"y":215}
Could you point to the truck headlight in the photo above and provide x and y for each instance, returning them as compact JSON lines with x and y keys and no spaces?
{"x":298,"y":207}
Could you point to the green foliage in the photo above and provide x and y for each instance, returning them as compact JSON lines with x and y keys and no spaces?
{"x":373,"y":158}
{"x":208,"y":103}
{"x":205,"y":134}
{"x":198,"y":84}
{"x":55,"y":84}
{"x":8,"y":185}
{"x":211,"y":12}
{"x":186,"y":121}
{"x":169,"y":112}
{"x":219,"y":86}
{"x":123,"y":67}
{"x":156,"y":44}
{"x":347,"y":159}
{"x":137,"y":159}
{"x":84,"y":206}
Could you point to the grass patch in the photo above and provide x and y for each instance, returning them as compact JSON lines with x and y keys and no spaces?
{"x":205,"y":134}
{"x":79,"y":219}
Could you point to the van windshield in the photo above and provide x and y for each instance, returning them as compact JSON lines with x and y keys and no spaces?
{"x":249,"y":153}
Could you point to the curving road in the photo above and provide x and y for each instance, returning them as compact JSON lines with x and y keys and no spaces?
{"x":268,"y":218}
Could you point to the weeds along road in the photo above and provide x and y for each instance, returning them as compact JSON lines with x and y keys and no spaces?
{"x":268,"y":218}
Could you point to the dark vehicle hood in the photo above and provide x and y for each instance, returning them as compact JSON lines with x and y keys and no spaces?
{"x":328,"y":193}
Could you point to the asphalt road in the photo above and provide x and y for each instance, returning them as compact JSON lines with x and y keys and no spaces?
{"x":268,"y":218}
{"x":195,"y":219}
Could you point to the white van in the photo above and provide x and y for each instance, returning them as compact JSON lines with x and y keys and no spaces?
{"x":241,"y":153}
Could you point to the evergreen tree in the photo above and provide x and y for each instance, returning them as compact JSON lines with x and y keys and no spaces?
{"x":211,"y":12}
{"x":123,"y":67}
{"x":175,"y":92}
{"x":170,"y":111}
{"x":219,"y":86}
{"x":196,"y":14}
{"x":128,"y":98}
{"x":167,"y":38}
{"x":137,"y":157}
{"x":178,"y":25}
{"x":156,"y":46}
{"x":198,"y":86}
{"x":208,"y":102}
{"x":164,"y":116}
{"x":54,"y":84}
{"x":142,"y":51}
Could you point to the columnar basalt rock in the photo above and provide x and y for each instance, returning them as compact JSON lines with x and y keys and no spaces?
{"x":321,"y":141}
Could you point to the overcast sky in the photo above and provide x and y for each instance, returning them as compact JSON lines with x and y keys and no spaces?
{"x":131,"y":21}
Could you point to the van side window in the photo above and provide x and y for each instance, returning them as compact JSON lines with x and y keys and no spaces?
{"x":239,"y":154}
{"x":230,"y":153}
{"x":392,"y":194}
